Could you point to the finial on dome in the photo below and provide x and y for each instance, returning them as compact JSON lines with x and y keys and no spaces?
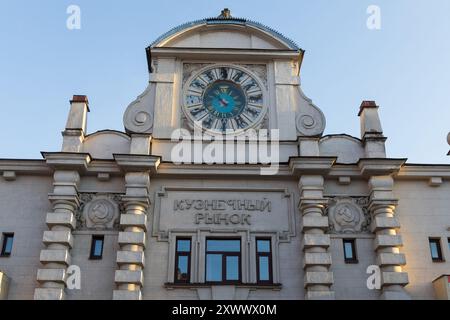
{"x":225,"y":14}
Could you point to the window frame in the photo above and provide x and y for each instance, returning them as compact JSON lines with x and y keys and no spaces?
{"x":183,"y":254}
{"x":352,"y":242}
{"x":224,"y":255}
{"x":437,"y":241}
{"x":5,"y":236}
{"x":264,"y":254}
{"x":94,"y":239}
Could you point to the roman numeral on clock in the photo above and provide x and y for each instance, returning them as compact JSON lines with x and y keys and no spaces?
{"x":224,"y":90}
{"x":246,"y":118}
{"x":195,"y":91}
{"x":202,"y":116}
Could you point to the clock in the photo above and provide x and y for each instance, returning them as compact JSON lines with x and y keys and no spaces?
{"x":224,"y":99}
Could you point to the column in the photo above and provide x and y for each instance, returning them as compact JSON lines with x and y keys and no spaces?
{"x":316,"y":258}
{"x":58,"y":241}
{"x":387,"y":240}
{"x":129,"y":277}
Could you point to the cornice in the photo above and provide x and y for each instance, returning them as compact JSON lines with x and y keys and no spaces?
{"x":424,"y":171}
{"x":67,"y":160}
{"x":219,"y":170}
{"x":32,"y":167}
{"x":380,"y":166}
{"x":213,"y":53}
{"x":311,"y":165}
{"x":137,"y":162}
{"x":167,"y":169}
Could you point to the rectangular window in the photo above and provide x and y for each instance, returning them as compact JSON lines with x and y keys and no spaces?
{"x":223,"y":260}
{"x":7,"y":244}
{"x":183,"y":261}
{"x":435,"y":249}
{"x":264,"y":260}
{"x":350,"y":251}
{"x":97,"y":247}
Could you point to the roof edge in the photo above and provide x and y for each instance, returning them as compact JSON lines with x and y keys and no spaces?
{"x":224,"y":21}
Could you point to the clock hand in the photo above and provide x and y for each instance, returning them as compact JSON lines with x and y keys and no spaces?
{"x":223,"y":102}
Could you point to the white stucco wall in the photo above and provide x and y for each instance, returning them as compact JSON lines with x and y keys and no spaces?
{"x":424,"y":212}
{"x":24,"y":205}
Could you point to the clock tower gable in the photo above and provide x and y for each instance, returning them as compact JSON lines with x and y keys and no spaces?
{"x":178,"y":60}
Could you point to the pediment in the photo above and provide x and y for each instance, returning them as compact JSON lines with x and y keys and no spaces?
{"x":224,"y":33}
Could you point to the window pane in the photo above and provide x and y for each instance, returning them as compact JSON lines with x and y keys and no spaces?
{"x":98,"y":247}
{"x":434,"y":249}
{"x":263,"y":245}
{"x":232,"y":264}
{"x":264,"y":269}
{"x":182,"y":268}
{"x":184,"y":245}
{"x":348,"y":250}
{"x":8,"y":244}
{"x":214,"y":267}
{"x":224,"y":245}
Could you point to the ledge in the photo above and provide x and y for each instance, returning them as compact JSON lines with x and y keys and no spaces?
{"x":67,"y":160}
{"x":274,"y":286}
{"x":211,"y":53}
{"x":380,"y":166}
{"x":311,"y":165}
{"x":138,"y":162}
{"x":442,"y":275}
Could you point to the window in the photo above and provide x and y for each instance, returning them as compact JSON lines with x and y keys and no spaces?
{"x":264,"y":261}
{"x":97,"y":247}
{"x":350,"y":251}
{"x":435,"y":249}
{"x":8,"y":239}
{"x":183,"y":261}
{"x":223,"y":260}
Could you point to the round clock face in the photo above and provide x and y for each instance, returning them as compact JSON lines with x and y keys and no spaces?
{"x":224,"y":100}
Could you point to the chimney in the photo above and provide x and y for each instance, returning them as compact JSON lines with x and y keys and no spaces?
{"x":371,"y":131}
{"x":75,"y":130}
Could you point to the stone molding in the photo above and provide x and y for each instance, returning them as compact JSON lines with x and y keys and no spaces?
{"x":133,"y":225}
{"x":58,"y":240}
{"x":318,"y":279}
{"x":387,"y":241}
{"x":310,"y":120}
{"x":282,"y":236}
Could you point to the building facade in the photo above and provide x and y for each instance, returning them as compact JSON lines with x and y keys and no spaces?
{"x":168,"y":209}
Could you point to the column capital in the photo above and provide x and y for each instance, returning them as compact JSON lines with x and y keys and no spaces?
{"x":376,"y":203}
{"x":311,"y":202}
{"x":139,"y":200}
{"x":72,"y":200}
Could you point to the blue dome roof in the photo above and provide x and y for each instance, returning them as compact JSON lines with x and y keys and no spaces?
{"x":227,"y":20}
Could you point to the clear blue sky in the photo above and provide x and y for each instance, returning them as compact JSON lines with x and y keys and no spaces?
{"x":405,"y":66}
